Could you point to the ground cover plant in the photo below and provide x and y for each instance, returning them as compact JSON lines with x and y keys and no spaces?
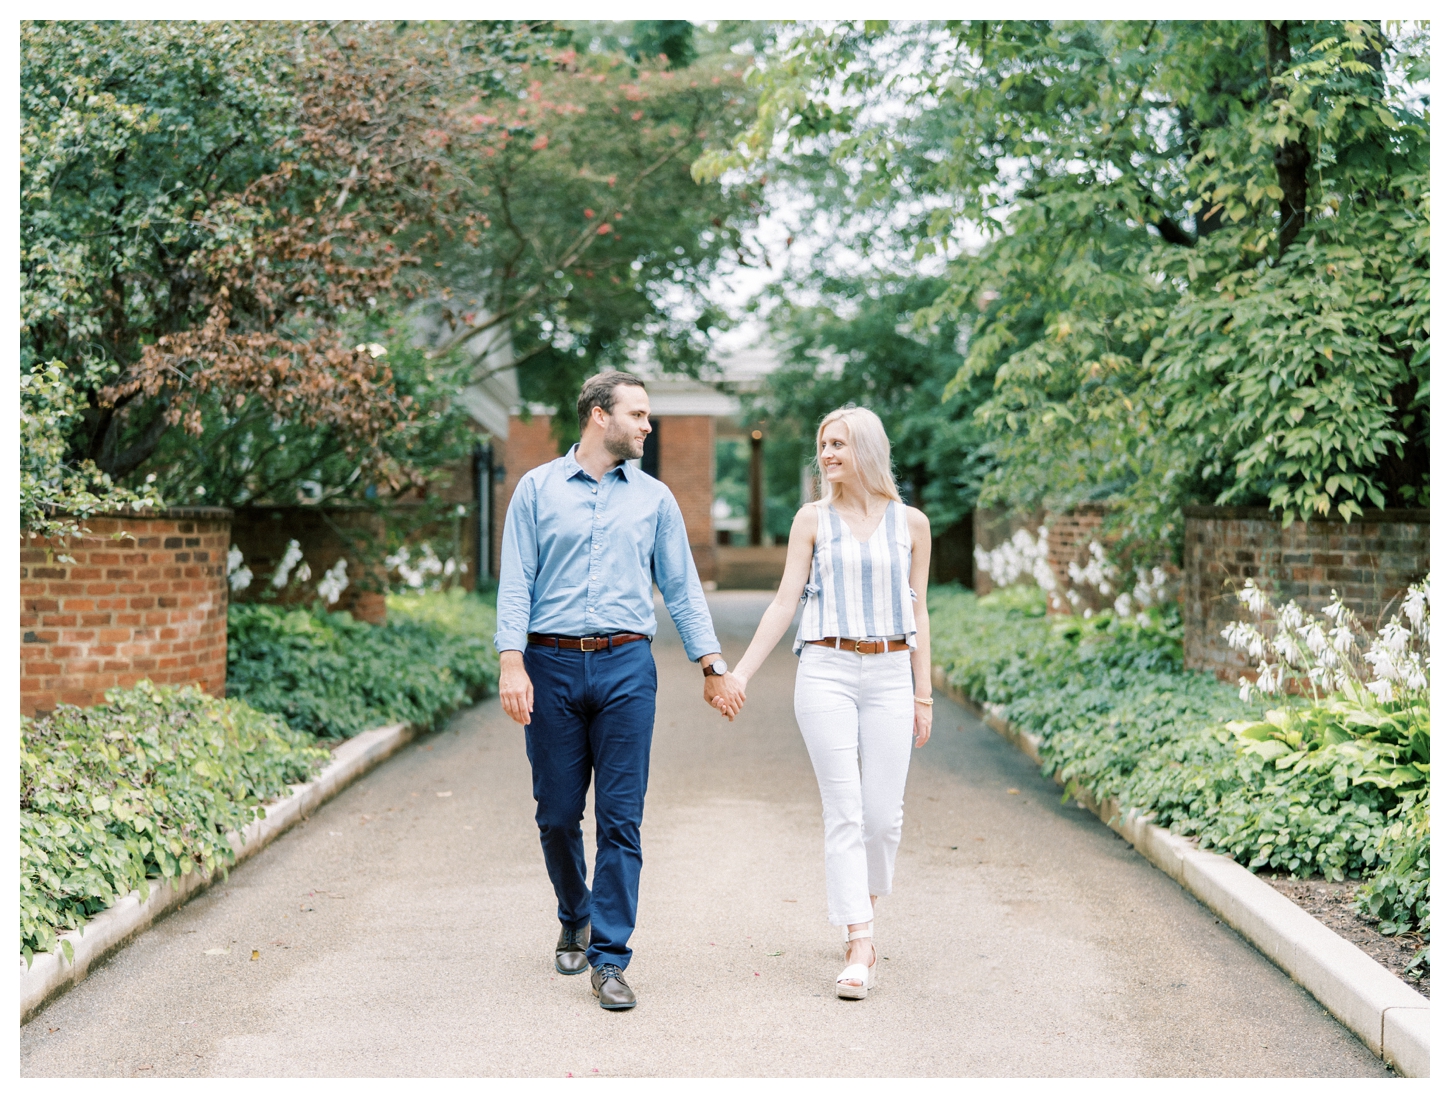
{"x":145,"y":786}
{"x":333,"y":677}
{"x":1335,"y":783}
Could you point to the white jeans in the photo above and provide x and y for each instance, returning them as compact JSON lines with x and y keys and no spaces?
{"x":855,"y":713}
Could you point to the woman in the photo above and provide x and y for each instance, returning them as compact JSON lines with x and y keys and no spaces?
{"x":863,"y":685}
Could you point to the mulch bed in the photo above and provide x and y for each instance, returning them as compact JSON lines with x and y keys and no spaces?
{"x":1332,"y":903}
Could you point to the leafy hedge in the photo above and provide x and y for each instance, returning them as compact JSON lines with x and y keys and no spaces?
{"x":146,"y":785}
{"x":334,"y":677}
{"x":1327,"y":787}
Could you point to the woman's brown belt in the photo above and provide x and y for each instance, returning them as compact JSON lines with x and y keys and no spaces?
{"x":863,"y":647}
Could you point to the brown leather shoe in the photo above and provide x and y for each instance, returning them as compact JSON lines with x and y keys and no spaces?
{"x":569,"y":956}
{"x":610,"y":989}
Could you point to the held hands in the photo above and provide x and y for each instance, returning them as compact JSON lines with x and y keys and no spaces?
{"x":726,"y":693}
{"x":515,"y":689}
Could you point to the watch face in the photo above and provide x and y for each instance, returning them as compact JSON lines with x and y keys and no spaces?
{"x":719,"y":667}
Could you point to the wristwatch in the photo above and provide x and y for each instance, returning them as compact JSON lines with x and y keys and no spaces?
{"x":717,"y":668}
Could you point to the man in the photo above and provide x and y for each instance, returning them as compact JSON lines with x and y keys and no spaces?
{"x":585,"y":537}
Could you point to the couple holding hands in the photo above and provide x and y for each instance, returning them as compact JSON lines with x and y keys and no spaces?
{"x":586,"y":538}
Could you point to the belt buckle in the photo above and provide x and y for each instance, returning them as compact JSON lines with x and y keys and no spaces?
{"x":857,"y":646}
{"x":588,"y":644}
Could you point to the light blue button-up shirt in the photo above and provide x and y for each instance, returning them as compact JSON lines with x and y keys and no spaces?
{"x":580,"y":556}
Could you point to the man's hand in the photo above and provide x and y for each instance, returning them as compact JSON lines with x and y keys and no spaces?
{"x":515,"y":689}
{"x":726,"y":697}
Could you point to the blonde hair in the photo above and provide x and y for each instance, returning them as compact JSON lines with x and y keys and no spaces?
{"x":871,"y":447}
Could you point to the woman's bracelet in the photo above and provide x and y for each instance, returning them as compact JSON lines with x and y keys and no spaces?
{"x":924,"y":701}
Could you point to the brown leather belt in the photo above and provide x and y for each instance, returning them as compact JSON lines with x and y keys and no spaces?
{"x":863,"y":647}
{"x":586,"y":644}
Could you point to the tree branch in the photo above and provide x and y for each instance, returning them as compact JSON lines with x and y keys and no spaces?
{"x":1291,"y":159}
{"x":582,"y":243}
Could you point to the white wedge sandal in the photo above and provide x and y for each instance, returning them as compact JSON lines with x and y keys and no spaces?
{"x":866,"y":974}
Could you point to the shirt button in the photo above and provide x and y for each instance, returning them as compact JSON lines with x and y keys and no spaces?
{"x":594,"y":491}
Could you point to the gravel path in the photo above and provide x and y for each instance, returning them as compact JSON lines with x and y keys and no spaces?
{"x":407,"y":929}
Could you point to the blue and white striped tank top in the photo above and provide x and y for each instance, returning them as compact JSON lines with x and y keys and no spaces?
{"x":859,"y":589}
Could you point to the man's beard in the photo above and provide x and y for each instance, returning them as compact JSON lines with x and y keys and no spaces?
{"x":620,"y":443}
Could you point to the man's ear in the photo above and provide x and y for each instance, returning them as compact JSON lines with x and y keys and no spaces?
{"x":599,"y":417}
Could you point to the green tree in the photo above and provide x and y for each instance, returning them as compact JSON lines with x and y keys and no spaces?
{"x":852,"y":339}
{"x":1193,"y":255}
{"x":269,"y":253}
{"x":587,"y":241}
{"x":211,"y":212}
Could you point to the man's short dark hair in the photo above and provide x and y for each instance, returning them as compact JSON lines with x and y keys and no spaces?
{"x":598,"y":392}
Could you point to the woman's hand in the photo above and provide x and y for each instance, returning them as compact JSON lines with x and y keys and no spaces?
{"x":731,"y":697}
{"x":922,"y":723}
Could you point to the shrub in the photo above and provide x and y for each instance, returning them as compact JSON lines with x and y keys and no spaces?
{"x":146,"y":785}
{"x":334,"y":677}
{"x":1317,"y":786}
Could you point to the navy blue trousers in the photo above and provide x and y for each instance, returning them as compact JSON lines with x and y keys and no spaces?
{"x":594,"y":714}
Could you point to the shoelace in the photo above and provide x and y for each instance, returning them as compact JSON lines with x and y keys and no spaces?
{"x":573,"y":938}
{"x":610,"y":972}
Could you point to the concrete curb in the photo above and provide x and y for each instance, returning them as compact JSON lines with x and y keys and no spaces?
{"x":1390,"y":1017}
{"x":50,"y":974}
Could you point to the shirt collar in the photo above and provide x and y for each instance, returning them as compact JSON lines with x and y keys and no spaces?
{"x":572,"y":468}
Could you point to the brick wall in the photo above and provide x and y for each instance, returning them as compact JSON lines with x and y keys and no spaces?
{"x":149,"y":605}
{"x":687,"y":467}
{"x":1069,"y":535}
{"x":324,"y":535}
{"x":991,"y":527}
{"x":1068,"y":538}
{"x":1369,"y":562}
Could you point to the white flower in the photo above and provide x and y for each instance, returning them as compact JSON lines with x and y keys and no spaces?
{"x":1415,"y":678}
{"x":1123,"y":605}
{"x":334,"y":582}
{"x":1253,"y":597}
{"x":415,"y":576}
{"x":289,"y":561}
{"x":1314,"y":637}
{"x":1381,"y":690}
{"x":1393,"y":636}
{"x":239,"y":577}
{"x":304,"y":573}
{"x":1414,"y":606}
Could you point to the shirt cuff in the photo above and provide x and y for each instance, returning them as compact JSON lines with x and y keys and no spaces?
{"x":508,"y":640}
{"x":700,"y":645}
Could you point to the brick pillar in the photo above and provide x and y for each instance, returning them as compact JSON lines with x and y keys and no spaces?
{"x":528,"y":446}
{"x":141,"y":598}
{"x":687,"y":467}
